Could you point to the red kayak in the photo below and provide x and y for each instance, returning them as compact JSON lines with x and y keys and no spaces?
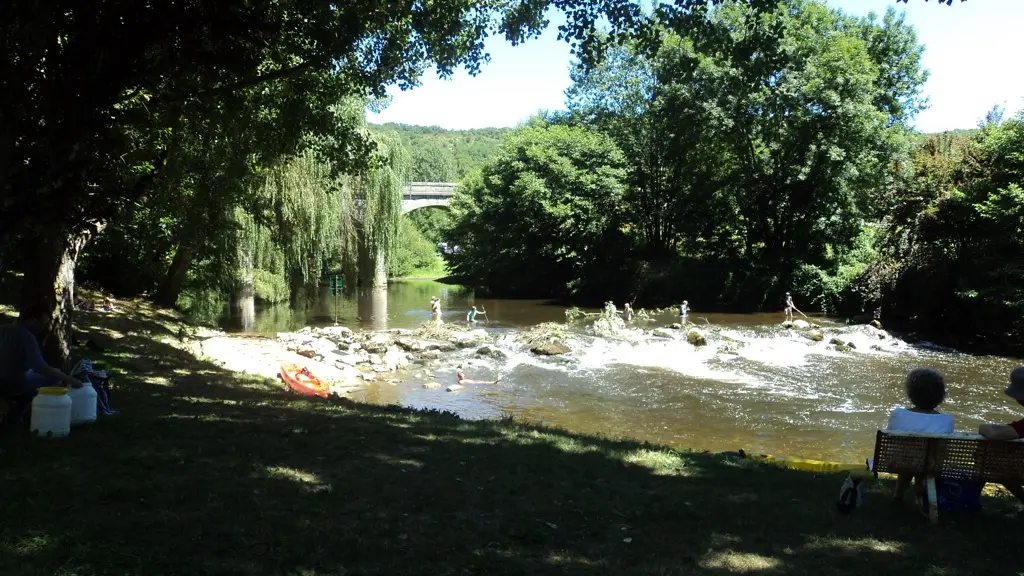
{"x":301,"y":381}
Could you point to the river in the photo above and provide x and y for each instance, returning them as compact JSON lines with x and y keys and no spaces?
{"x":780,"y":393}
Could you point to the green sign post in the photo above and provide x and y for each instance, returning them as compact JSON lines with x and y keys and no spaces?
{"x":337,"y":283}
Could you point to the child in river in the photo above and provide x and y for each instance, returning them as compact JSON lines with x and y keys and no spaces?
{"x":462,"y":379}
{"x":471,"y":316}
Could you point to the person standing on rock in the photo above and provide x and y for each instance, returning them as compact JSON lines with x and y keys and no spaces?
{"x":684,"y":311}
{"x":627,"y":311}
{"x":789,"y":307}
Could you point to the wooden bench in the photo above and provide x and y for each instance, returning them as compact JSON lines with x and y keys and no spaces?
{"x":964,"y":457}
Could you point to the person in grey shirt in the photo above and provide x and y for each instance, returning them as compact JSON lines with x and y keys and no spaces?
{"x":22,"y":367}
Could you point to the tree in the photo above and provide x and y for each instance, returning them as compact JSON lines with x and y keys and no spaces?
{"x":96,"y":93}
{"x":950,"y":264}
{"x":800,"y":105}
{"x":541,"y":215}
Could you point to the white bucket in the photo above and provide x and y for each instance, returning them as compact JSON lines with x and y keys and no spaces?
{"x":51,"y":412}
{"x":83,"y":404}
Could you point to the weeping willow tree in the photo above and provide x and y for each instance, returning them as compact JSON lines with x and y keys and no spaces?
{"x":299,"y":224}
{"x":378,"y":190}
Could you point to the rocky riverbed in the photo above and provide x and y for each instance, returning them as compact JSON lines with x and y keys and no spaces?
{"x":345,"y":358}
{"x":349,"y":359}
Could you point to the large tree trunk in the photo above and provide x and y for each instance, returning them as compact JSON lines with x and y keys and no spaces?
{"x":49,"y":285}
{"x":169,"y":290}
{"x":373,"y":264}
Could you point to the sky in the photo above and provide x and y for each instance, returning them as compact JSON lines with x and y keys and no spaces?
{"x":970,"y":49}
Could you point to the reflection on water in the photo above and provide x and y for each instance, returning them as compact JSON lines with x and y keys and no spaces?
{"x":778,"y":393}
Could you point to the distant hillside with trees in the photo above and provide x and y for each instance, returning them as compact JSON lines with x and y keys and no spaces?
{"x":440,"y":155}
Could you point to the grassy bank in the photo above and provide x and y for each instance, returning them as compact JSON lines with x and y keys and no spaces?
{"x":437,"y":269}
{"x":209,"y":472}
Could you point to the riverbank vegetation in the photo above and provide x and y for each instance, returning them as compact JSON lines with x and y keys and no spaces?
{"x":209,"y":471}
{"x":189,"y":150}
{"x":768,"y":151}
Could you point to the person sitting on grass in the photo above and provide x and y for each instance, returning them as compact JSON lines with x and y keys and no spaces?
{"x":22,"y":368}
{"x":1013,"y":430}
{"x":926,"y":389}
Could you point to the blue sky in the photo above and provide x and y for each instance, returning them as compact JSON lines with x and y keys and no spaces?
{"x":971,"y":49}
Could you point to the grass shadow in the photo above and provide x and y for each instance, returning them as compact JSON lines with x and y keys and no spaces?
{"x":210,"y":472}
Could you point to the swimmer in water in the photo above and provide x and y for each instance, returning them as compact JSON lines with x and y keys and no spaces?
{"x":462,"y":379}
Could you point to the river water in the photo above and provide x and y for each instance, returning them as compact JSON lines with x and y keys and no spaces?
{"x":779,"y":393}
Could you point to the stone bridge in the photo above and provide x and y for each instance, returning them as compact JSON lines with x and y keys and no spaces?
{"x":418,"y":195}
{"x":373,"y":268}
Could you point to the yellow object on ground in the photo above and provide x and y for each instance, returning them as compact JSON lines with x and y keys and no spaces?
{"x":810,"y":465}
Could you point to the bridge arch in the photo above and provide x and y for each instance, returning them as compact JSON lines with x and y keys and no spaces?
{"x":418,"y":195}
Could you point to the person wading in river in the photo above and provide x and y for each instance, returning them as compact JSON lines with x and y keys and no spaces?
{"x":435,"y":310}
{"x":471,"y":316}
{"x":684,"y":311}
{"x":789,"y":307}
{"x":462,"y":379}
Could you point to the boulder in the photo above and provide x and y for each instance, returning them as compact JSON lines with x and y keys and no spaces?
{"x":395,"y":359}
{"x":675,"y":326}
{"x":438,"y":345}
{"x":491,"y":351}
{"x":877,"y":347}
{"x":663,"y":333}
{"x":836,"y":342}
{"x":432,"y":385}
{"x":696,"y":338}
{"x":455,"y":387}
{"x":841,"y":347}
{"x":463,"y":339}
{"x":334,"y":332}
{"x":376,"y":360}
{"x":410,"y":344}
{"x":550,"y":349}
{"x":851,"y":345}
{"x":876,"y":324}
{"x":815,"y":335}
{"x":381,"y":368}
{"x":353,"y":359}
{"x":729,"y":348}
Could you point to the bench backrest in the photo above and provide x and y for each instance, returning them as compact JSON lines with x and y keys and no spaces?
{"x":953,"y":456}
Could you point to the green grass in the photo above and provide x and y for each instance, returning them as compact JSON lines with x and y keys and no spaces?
{"x":437,"y":269}
{"x":209,"y":472}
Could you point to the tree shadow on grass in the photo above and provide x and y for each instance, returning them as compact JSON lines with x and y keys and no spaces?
{"x":210,"y":472}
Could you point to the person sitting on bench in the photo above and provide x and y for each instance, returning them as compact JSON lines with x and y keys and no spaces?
{"x":926,"y":390}
{"x":22,"y":368}
{"x":1013,"y":430}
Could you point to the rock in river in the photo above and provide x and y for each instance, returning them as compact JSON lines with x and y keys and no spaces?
{"x":696,"y":338}
{"x":550,"y":349}
{"x":491,"y":351}
{"x":815,"y":335}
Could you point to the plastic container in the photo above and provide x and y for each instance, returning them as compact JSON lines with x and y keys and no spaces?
{"x":51,"y":412}
{"x":958,"y":495}
{"x":83,"y":404}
